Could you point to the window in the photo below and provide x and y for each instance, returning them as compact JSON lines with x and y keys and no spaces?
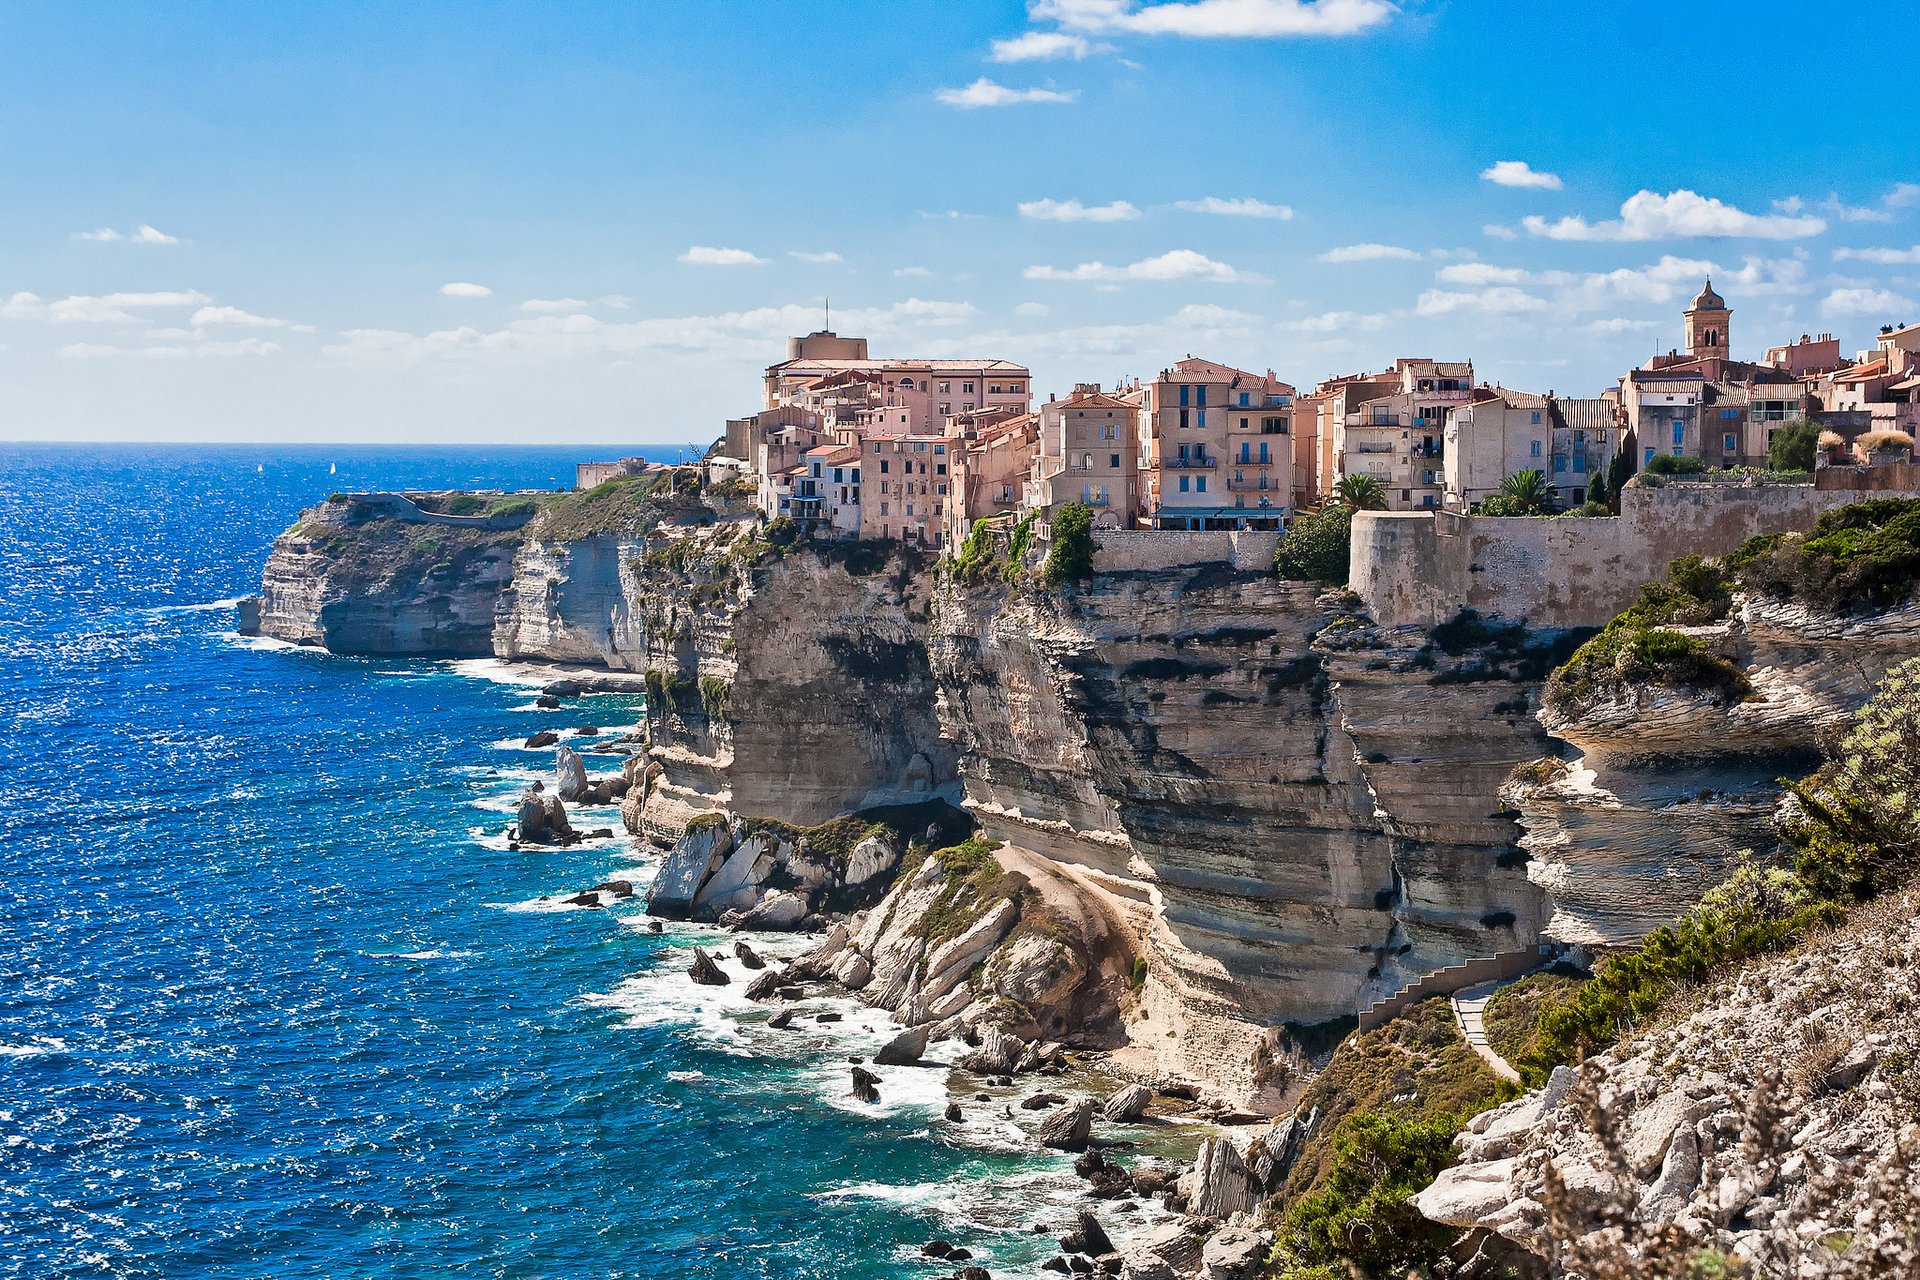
{"x":883,"y":466}
{"x":939,"y":468}
{"x":1536,"y":417}
{"x":1113,"y":459}
{"x":1649,"y":458}
{"x":1243,"y":400}
{"x":1536,"y":449}
{"x":946,"y":408}
{"x":1186,"y":395}
{"x":946,"y":388}
{"x":909,"y":508}
{"x":1183,"y":483}
{"x":939,"y":448}
{"x":1730,"y":413}
{"x":967,"y":389}
{"x":1246,"y":452}
{"x":1086,"y":462}
{"x":1579,"y":463}
{"x":1559,"y":462}
{"x":1729,"y":443}
{"x":883,"y":507}
{"x":1679,"y":433}
{"x":1273,"y":426}
{"x":1245,"y":425}
{"x":1200,"y":484}
{"x":1183,"y":418}
{"x":906,"y":384}
{"x":1200,"y":395}
{"x":943,"y":490}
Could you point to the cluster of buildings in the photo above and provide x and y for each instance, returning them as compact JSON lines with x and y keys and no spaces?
{"x":919,"y":449}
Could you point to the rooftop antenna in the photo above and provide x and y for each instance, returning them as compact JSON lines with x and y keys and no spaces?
{"x":829,"y":324}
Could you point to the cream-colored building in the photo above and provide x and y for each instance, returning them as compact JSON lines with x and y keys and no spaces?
{"x":923,"y":392}
{"x":1216,"y":447}
{"x":990,"y":467}
{"x":905,"y":483}
{"x":1088,"y":452}
{"x":1400,"y":438}
{"x":1496,"y":434}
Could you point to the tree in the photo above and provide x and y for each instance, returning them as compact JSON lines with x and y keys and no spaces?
{"x":1619,"y":471}
{"x":1318,"y":546}
{"x":1070,"y":557}
{"x":1360,"y":493}
{"x":1792,"y":446}
{"x":1597,"y":488}
{"x":1524,"y":493}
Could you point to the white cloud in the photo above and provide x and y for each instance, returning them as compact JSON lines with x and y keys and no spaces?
{"x":465,"y":289}
{"x":1033,"y":309}
{"x":549,"y":305}
{"x":1074,"y":211}
{"x":1499,"y":232}
{"x":1217,"y":19}
{"x":1881,"y":257}
{"x":143,"y":234}
{"x":1368,"y":253}
{"x":1178,"y":264}
{"x":112,"y":308}
{"x":1518,"y":173}
{"x":1044,"y":46}
{"x":1209,"y":315}
{"x":1615,"y":325}
{"x":1479,"y":274}
{"x":1845,"y":212}
{"x":802,"y":255}
{"x":701,"y":255}
{"x":217,"y":350}
{"x":233,"y":316}
{"x":1647,"y":215}
{"x":1882,"y":303}
{"x":922,"y":311}
{"x":912,"y":273}
{"x":1498,"y":300}
{"x":986,"y":93}
{"x":1905,"y":195}
{"x":1339,"y":322}
{"x":1239,"y":207}
{"x":21,"y":305}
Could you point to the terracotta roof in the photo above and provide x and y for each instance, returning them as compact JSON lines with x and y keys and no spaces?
{"x":1193,"y":367}
{"x":1862,"y":372}
{"x":957,"y":364}
{"x":1520,"y":399}
{"x":1584,"y":413}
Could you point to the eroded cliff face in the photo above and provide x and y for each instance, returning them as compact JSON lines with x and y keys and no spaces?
{"x":1665,"y":787}
{"x":1293,"y":811}
{"x":350,"y":579}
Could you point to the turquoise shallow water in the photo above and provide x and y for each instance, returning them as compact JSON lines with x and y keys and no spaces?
{"x":274,"y":1004}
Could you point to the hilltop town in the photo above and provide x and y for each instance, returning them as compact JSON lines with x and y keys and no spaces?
{"x":916,"y":450}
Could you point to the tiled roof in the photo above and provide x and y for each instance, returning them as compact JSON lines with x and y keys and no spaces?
{"x":1192,"y":367}
{"x":1520,"y":399}
{"x":805,"y":366}
{"x":1585,"y":413}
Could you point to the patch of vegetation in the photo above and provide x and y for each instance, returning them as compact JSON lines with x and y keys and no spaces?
{"x":1856,"y":835}
{"x":1137,"y":978}
{"x":628,"y":505}
{"x":978,"y":555}
{"x":1638,"y":648}
{"x":1019,"y":542}
{"x":1524,"y":493}
{"x":974,"y":882}
{"x":1317,"y":547}
{"x":713,"y":697}
{"x":1792,"y":446}
{"x":1674,"y":464}
{"x":1512,"y":1017}
{"x":1858,"y":558}
{"x":1501,"y":650}
{"x":1070,"y":552}
{"x":1590,"y":508}
{"x":1390,"y":1101}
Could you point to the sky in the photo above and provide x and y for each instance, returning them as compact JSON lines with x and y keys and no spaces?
{"x":598,"y":222}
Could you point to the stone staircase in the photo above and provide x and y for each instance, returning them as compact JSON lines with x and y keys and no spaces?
{"x":1456,"y":977}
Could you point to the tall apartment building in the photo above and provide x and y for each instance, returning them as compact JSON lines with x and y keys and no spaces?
{"x":1088,"y":452}
{"x":923,"y":393}
{"x":1399,"y":438}
{"x":1216,"y":447}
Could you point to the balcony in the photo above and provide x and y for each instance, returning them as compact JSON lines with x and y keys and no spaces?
{"x":1185,"y":462}
{"x":1376,"y":448}
{"x":1252,"y":484}
{"x":1377,"y":418}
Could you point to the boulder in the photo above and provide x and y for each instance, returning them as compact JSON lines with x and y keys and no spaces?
{"x":818,"y":962}
{"x":587,"y":899}
{"x":953,"y":1112}
{"x":587,"y":731}
{"x":1218,"y":1185}
{"x":873,"y":857}
{"x":1233,"y":1253}
{"x":852,"y":971}
{"x":1069,"y":1128}
{"x":1127,"y":1104}
{"x":998,"y":1053}
{"x":741,"y":878}
{"x":904,"y":1050}
{"x":705,"y":972}
{"x":763,"y":986}
{"x":1087,"y":1236}
{"x":1466,"y":1193}
{"x":781,"y":1019}
{"x":542,"y":819}
{"x":1041,"y":1101}
{"x":747,"y":956}
{"x":544,"y":738}
{"x":571,"y":771}
{"x":936,"y":1249}
{"x":547,"y":702}
{"x":701,"y":848}
{"x":1170,"y":1251}
{"x":563,"y":689}
{"x":618,"y":888}
{"x":865,"y":1085}
{"x":776,"y":913}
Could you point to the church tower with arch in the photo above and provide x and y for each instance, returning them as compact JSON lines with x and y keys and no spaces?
{"x":1707,"y":321}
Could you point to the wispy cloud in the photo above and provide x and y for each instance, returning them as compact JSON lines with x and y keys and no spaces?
{"x":1075,"y":211}
{"x":1518,"y":173}
{"x":1881,"y":303}
{"x":1217,"y":19}
{"x":1179,"y":264}
{"x":987,"y":93}
{"x":143,"y":234}
{"x":801,"y":255}
{"x":1839,"y":209}
{"x":1683,"y":214}
{"x":1880,"y":257}
{"x":1045,"y":46}
{"x":1905,"y":195}
{"x":118,"y":308}
{"x":912,"y":273}
{"x":223,"y":349}
{"x":1368,"y":253}
{"x":547,"y":306}
{"x":1339,"y":322}
{"x":1240,"y":207}
{"x":702,"y":255}
{"x":1497,"y":299}
{"x":465,"y":289}
{"x":233,"y":316}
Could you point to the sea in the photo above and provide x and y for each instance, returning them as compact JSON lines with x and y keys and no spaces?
{"x":277,"y":1000}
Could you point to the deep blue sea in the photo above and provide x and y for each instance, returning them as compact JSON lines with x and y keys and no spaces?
{"x":276,"y":1001}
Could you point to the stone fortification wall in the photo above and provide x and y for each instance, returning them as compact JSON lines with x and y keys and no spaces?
{"x":1419,"y":569}
{"x":1121,"y":550}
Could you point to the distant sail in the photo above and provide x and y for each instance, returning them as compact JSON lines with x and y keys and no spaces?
{"x":332,"y":467}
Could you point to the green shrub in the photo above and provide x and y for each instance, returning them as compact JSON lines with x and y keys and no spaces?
{"x":1674,"y":464}
{"x":975,"y":559}
{"x":1591,"y":508}
{"x":1360,"y":1217}
{"x":511,"y":507}
{"x":781,"y":532}
{"x":465,"y":504}
{"x":1792,"y":446}
{"x":1637,"y":649}
{"x":1138,"y":977}
{"x":1317,"y":547}
{"x":1070,"y":553}
{"x":1856,"y":559}
{"x":713,"y":696}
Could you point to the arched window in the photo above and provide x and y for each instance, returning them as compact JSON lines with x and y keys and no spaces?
{"x":906,"y":384}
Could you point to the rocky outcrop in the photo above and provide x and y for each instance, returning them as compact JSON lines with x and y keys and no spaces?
{"x":1770,"y":1123}
{"x":542,"y":819}
{"x":351,"y":578}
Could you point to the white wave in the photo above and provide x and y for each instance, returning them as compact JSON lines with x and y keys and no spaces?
{"x":434,"y":953}
{"x":209,"y":606}
{"x":38,"y":1047}
{"x":268,"y":644}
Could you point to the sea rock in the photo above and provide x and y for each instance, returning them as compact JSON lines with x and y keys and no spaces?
{"x":865,"y":1085}
{"x":1127,"y":1104}
{"x":998,"y":1053}
{"x":953,"y":1112}
{"x":1041,"y":1101}
{"x":587,"y":731}
{"x":1069,"y":1128}
{"x":542,"y":818}
{"x":852,"y":971}
{"x":904,"y":1050}
{"x":547,"y":702}
{"x":781,"y":1019}
{"x":701,"y":848}
{"x":1087,"y":1236}
{"x":1170,"y":1251}
{"x":1234,"y":1253}
{"x":544,"y":738}
{"x":778,"y":912}
{"x":587,"y":899}
{"x":618,"y":888}
{"x":747,"y":956}
{"x":764,"y":985}
{"x":564,"y":689}
{"x":1218,"y":1185}
{"x":705,"y":972}
{"x":572,"y":773}
{"x":936,"y":1249}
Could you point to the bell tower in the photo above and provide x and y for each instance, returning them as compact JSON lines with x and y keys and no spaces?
{"x":1707,"y":321}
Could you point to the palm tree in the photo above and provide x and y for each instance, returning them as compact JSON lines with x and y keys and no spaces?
{"x":1529,"y":492}
{"x":1360,"y":493}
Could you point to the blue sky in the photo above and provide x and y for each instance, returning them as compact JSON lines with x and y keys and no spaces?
{"x":597,"y":222}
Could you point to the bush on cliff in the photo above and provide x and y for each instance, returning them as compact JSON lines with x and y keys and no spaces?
{"x":1856,"y":834}
{"x":1317,"y":547}
{"x":1792,"y":446}
{"x":627,"y":504}
{"x":1070,"y":553}
{"x":1856,"y":559}
{"x":1638,"y":649}
{"x":1674,"y":464}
